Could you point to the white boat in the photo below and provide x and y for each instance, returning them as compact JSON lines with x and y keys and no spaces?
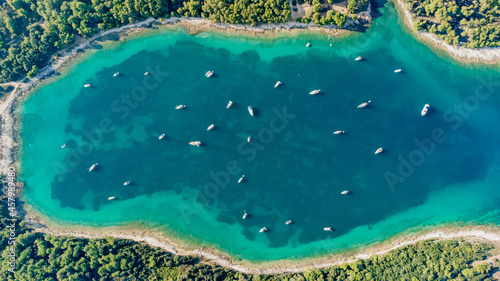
{"x":116,"y":74}
{"x":146,"y":73}
{"x":210,"y":127}
{"x":338,"y":132}
{"x":241,"y":179}
{"x":197,"y":143}
{"x":63,"y":146}
{"x":180,"y":106}
{"x":358,"y":58}
{"x":209,"y":74}
{"x":86,"y":85}
{"x":93,"y":167}
{"x":424,"y":110}
{"x":249,"y":139}
{"x":161,"y":136}
{"x":315,"y":92}
{"x":379,"y":150}
{"x":327,"y":229}
{"x":397,"y":71}
{"x":245,"y":215}
{"x":308,"y":45}
{"x":250,"y":110}
{"x":126,"y":183}
{"x":289,"y":222}
{"x":277,"y":84}
{"x":364,"y":104}
{"x":264,"y":229}
{"x":229,"y":104}
{"x":111,"y":198}
{"x":345,"y":192}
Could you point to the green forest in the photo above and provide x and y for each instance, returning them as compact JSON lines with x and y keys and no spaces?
{"x":31,"y":31}
{"x":472,"y":24}
{"x":45,"y":257}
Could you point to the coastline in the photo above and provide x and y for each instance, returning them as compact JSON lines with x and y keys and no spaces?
{"x":211,"y":255}
{"x":488,"y":56}
{"x":208,"y":255}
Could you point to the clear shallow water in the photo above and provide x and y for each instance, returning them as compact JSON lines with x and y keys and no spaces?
{"x":295,"y":169}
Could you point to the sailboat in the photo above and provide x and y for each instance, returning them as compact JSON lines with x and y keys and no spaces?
{"x":93,"y":167}
{"x":197,"y":143}
{"x":364,"y":104}
{"x":241,"y":179}
{"x":250,"y":110}
{"x":210,"y":127}
{"x":229,"y":104}
{"x":379,"y":150}
{"x":315,"y":92}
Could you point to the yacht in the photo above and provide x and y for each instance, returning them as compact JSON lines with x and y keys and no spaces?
{"x":424,"y":110}
{"x":250,"y":110}
{"x":111,"y":198}
{"x":345,"y":192}
{"x":289,"y":222}
{"x":338,"y":132}
{"x":116,"y":74}
{"x":180,"y":106}
{"x":397,"y":71}
{"x":364,"y":104}
{"x":229,"y":104}
{"x":264,"y":229}
{"x":327,"y":229}
{"x":146,"y":73}
{"x":358,"y":58}
{"x":379,"y":150}
{"x":161,"y":136}
{"x":86,"y":85}
{"x":315,"y":92}
{"x":210,"y":127}
{"x":93,"y":167}
{"x":126,"y":183}
{"x":308,"y":45}
{"x":277,"y":84}
{"x":209,"y":74}
{"x":241,"y":179}
{"x":197,"y":143}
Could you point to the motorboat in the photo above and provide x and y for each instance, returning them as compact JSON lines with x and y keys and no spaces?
{"x":264,"y":229}
{"x":249,"y":139}
{"x":111,"y":198}
{"x":358,"y":58}
{"x":197,"y":143}
{"x":63,"y":146}
{"x":210,"y":127}
{"x":397,"y":71}
{"x":327,"y":229}
{"x":209,"y":74}
{"x":146,"y":73}
{"x":93,"y":167}
{"x":161,"y":136}
{"x":126,"y":183}
{"x":241,"y":179}
{"x":308,"y":45}
{"x":86,"y":85}
{"x":289,"y":222}
{"x":364,"y":104}
{"x":425,"y":109}
{"x":116,"y":74}
{"x":339,"y":132}
{"x":315,"y":92}
{"x":277,"y":84}
{"x":379,"y":150}
{"x":229,"y":104}
{"x":345,"y":192}
{"x":245,"y":215}
{"x":180,"y":106}
{"x":250,"y":110}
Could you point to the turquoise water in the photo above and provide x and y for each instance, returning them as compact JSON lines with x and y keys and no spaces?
{"x":437,"y":169}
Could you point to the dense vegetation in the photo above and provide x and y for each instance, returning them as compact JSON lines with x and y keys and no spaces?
{"x":45,"y":257}
{"x":463,"y":23}
{"x":32,"y":30}
{"x":321,"y":14}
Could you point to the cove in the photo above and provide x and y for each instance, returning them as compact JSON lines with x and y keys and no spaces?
{"x":435,"y":170}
